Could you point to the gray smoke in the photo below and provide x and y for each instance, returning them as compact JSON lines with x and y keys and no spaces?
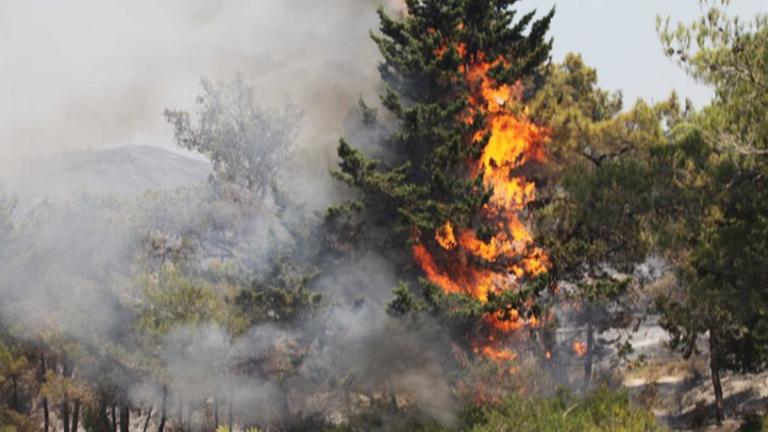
{"x":92,"y":74}
{"x":89,"y":74}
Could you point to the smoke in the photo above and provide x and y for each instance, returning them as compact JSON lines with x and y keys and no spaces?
{"x":60,"y":266}
{"x":67,"y":270}
{"x":92,"y":74}
{"x":330,"y":368}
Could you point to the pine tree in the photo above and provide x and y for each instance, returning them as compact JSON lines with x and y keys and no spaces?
{"x":426,"y":181}
{"x":713,"y":199}
{"x":593,"y":199}
{"x":453,"y":71}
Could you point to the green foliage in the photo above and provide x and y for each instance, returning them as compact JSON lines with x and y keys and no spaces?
{"x":424,"y":181}
{"x":404,"y":302}
{"x":712,"y":193}
{"x":171,"y":299}
{"x":246,"y":145}
{"x":602,"y":410}
{"x":11,"y":363}
{"x":281,"y":295}
{"x":715,"y":231}
{"x":11,"y":421}
{"x":754,"y":423}
{"x":731,"y":55}
{"x":422,"y":178}
{"x":595,"y":197}
{"x":594,"y":200}
{"x":711,"y":196}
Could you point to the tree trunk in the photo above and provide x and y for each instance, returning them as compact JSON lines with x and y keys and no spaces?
{"x":65,"y":413}
{"x":216,"y":412}
{"x":146,"y":422}
{"x":102,"y":414}
{"x":189,"y":416}
{"x":588,"y":354}
{"x":231,"y":417}
{"x":161,"y":428}
{"x":114,"y":418}
{"x":76,"y":415}
{"x":46,"y":416}
{"x":125,"y":417}
{"x":714,"y":367}
{"x":66,"y":371}
{"x":181,"y":414}
{"x":15,"y":394}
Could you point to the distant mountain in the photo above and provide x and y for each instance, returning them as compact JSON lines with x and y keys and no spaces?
{"x":116,"y":171}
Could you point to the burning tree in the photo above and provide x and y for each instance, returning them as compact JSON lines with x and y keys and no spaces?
{"x":453,"y":188}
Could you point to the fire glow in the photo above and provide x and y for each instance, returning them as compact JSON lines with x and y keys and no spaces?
{"x":462,"y":263}
{"x":579,"y":348}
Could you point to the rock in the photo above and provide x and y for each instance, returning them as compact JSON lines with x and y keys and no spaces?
{"x":336,"y":418}
{"x":378,"y":396}
{"x":359,"y":401}
{"x":403,"y":401}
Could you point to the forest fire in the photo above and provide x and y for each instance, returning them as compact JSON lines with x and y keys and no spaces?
{"x":464,"y":263}
{"x":580,"y":349}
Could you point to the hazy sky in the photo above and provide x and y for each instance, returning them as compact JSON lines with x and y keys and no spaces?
{"x":619,"y":38}
{"x":80,"y":74}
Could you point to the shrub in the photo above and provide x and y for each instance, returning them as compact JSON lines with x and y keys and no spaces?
{"x":602,"y":410}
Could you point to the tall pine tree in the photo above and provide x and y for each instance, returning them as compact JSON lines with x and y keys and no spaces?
{"x":441,"y":62}
{"x":712,"y":197}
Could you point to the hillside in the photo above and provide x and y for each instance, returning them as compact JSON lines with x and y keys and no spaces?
{"x":119,"y":171}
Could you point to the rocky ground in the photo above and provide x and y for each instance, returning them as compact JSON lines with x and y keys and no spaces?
{"x":680,"y":391}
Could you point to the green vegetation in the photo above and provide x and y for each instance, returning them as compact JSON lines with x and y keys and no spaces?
{"x":593,"y":198}
{"x":602,"y":410}
{"x":712,"y":202}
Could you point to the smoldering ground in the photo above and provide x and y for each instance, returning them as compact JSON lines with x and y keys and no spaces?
{"x":102,"y":73}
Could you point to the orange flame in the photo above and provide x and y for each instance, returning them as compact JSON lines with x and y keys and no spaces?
{"x":499,"y":355}
{"x":478,"y":267}
{"x":445,"y":237}
{"x":580,"y":348}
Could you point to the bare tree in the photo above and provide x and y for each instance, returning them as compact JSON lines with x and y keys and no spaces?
{"x":247,"y":145}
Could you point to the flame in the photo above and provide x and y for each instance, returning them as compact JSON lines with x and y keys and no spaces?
{"x":445,"y":237}
{"x":463,"y":263}
{"x":580,"y":348}
{"x":499,"y":354}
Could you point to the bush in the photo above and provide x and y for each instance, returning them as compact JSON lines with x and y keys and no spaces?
{"x":753,"y":422}
{"x":602,"y":410}
{"x":11,"y":421}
